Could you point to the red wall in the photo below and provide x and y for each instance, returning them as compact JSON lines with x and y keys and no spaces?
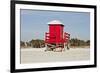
{"x":56,"y":33}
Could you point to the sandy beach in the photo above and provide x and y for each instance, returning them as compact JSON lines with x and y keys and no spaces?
{"x":38,"y":55}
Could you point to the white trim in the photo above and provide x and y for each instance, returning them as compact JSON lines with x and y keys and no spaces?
{"x":55,"y":22}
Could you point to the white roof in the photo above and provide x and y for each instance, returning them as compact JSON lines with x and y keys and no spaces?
{"x":55,"y":22}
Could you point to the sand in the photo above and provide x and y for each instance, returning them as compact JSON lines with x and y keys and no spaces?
{"x":38,"y":55}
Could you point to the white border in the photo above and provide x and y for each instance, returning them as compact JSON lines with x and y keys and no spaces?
{"x":55,"y":8}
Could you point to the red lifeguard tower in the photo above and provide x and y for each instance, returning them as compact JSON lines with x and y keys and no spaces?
{"x":56,"y":37}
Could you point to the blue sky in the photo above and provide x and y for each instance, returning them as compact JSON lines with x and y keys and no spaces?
{"x":34,"y":23}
